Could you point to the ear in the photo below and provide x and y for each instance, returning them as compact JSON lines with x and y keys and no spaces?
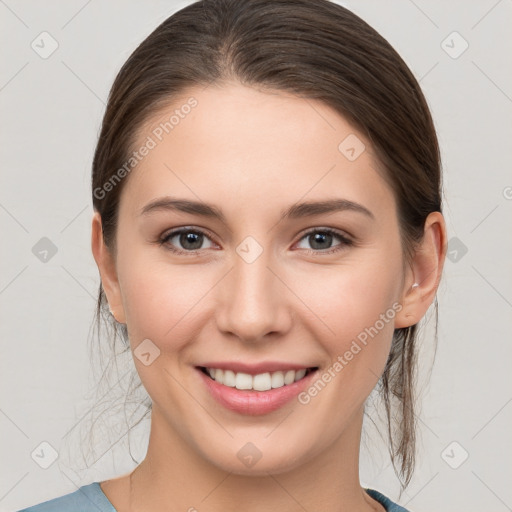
{"x":106,"y":265}
{"x":425,"y":270}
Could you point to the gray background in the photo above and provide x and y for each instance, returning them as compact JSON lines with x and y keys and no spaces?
{"x":51,"y":110}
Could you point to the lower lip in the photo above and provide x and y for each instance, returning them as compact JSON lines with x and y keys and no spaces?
{"x":254,"y":402}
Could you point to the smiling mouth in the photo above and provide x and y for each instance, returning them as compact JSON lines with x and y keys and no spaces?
{"x":260,"y":382}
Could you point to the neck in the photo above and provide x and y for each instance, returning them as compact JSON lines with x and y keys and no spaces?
{"x":175,"y":477}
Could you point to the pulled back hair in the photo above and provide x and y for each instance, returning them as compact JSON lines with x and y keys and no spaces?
{"x":316,"y":50}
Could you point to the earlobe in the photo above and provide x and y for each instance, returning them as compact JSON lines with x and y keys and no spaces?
{"x":425,"y":273}
{"x":106,"y":266}
{"x":409,"y":314}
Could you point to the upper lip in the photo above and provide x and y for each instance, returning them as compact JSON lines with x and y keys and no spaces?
{"x":255,"y":368}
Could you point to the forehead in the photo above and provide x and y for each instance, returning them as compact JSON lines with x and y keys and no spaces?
{"x":246,"y":148}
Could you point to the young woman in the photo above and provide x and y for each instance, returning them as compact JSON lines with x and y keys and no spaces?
{"x":268,"y":230}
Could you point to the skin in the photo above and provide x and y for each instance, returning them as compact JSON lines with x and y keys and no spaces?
{"x":253,"y":153}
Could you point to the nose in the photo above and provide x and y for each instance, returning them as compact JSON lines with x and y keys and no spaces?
{"x":253,"y":301}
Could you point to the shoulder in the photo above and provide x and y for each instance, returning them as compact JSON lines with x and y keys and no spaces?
{"x":389,"y":505}
{"x":88,"y":498}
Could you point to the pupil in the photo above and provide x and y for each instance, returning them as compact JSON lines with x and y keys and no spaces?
{"x":191,"y":238}
{"x":320,"y":237}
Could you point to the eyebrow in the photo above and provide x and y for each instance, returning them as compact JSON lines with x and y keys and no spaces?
{"x":295,"y":211}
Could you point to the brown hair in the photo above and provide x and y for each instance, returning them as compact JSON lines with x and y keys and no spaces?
{"x":314,"y":49}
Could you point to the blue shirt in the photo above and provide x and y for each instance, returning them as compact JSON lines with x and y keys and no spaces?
{"x":90,"y":498}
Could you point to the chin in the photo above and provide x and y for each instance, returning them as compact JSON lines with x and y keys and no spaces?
{"x":251,"y":461}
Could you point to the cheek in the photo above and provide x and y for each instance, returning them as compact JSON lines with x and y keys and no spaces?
{"x":347,"y":299}
{"x":360,"y":316}
{"x":354,"y":308}
{"x":161,"y":301}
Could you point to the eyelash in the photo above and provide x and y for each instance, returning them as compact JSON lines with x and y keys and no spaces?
{"x":345,"y":241}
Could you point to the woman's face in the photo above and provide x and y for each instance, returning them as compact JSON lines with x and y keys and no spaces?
{"x":253,"y":291}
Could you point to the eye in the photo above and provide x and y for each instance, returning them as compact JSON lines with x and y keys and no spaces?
{"x":190,"y":239}
{"x":321,"y":238}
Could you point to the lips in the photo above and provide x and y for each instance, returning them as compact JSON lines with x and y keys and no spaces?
{"x":255,"y":389}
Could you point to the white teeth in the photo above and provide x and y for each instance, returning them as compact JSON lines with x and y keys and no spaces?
{"x":299,"y":374}
{"x":242,"y":381}
{"x":289,"y":377}
{"x":277,"y":380}
{"x":260,"y":382}
{"x":229,"y":379}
